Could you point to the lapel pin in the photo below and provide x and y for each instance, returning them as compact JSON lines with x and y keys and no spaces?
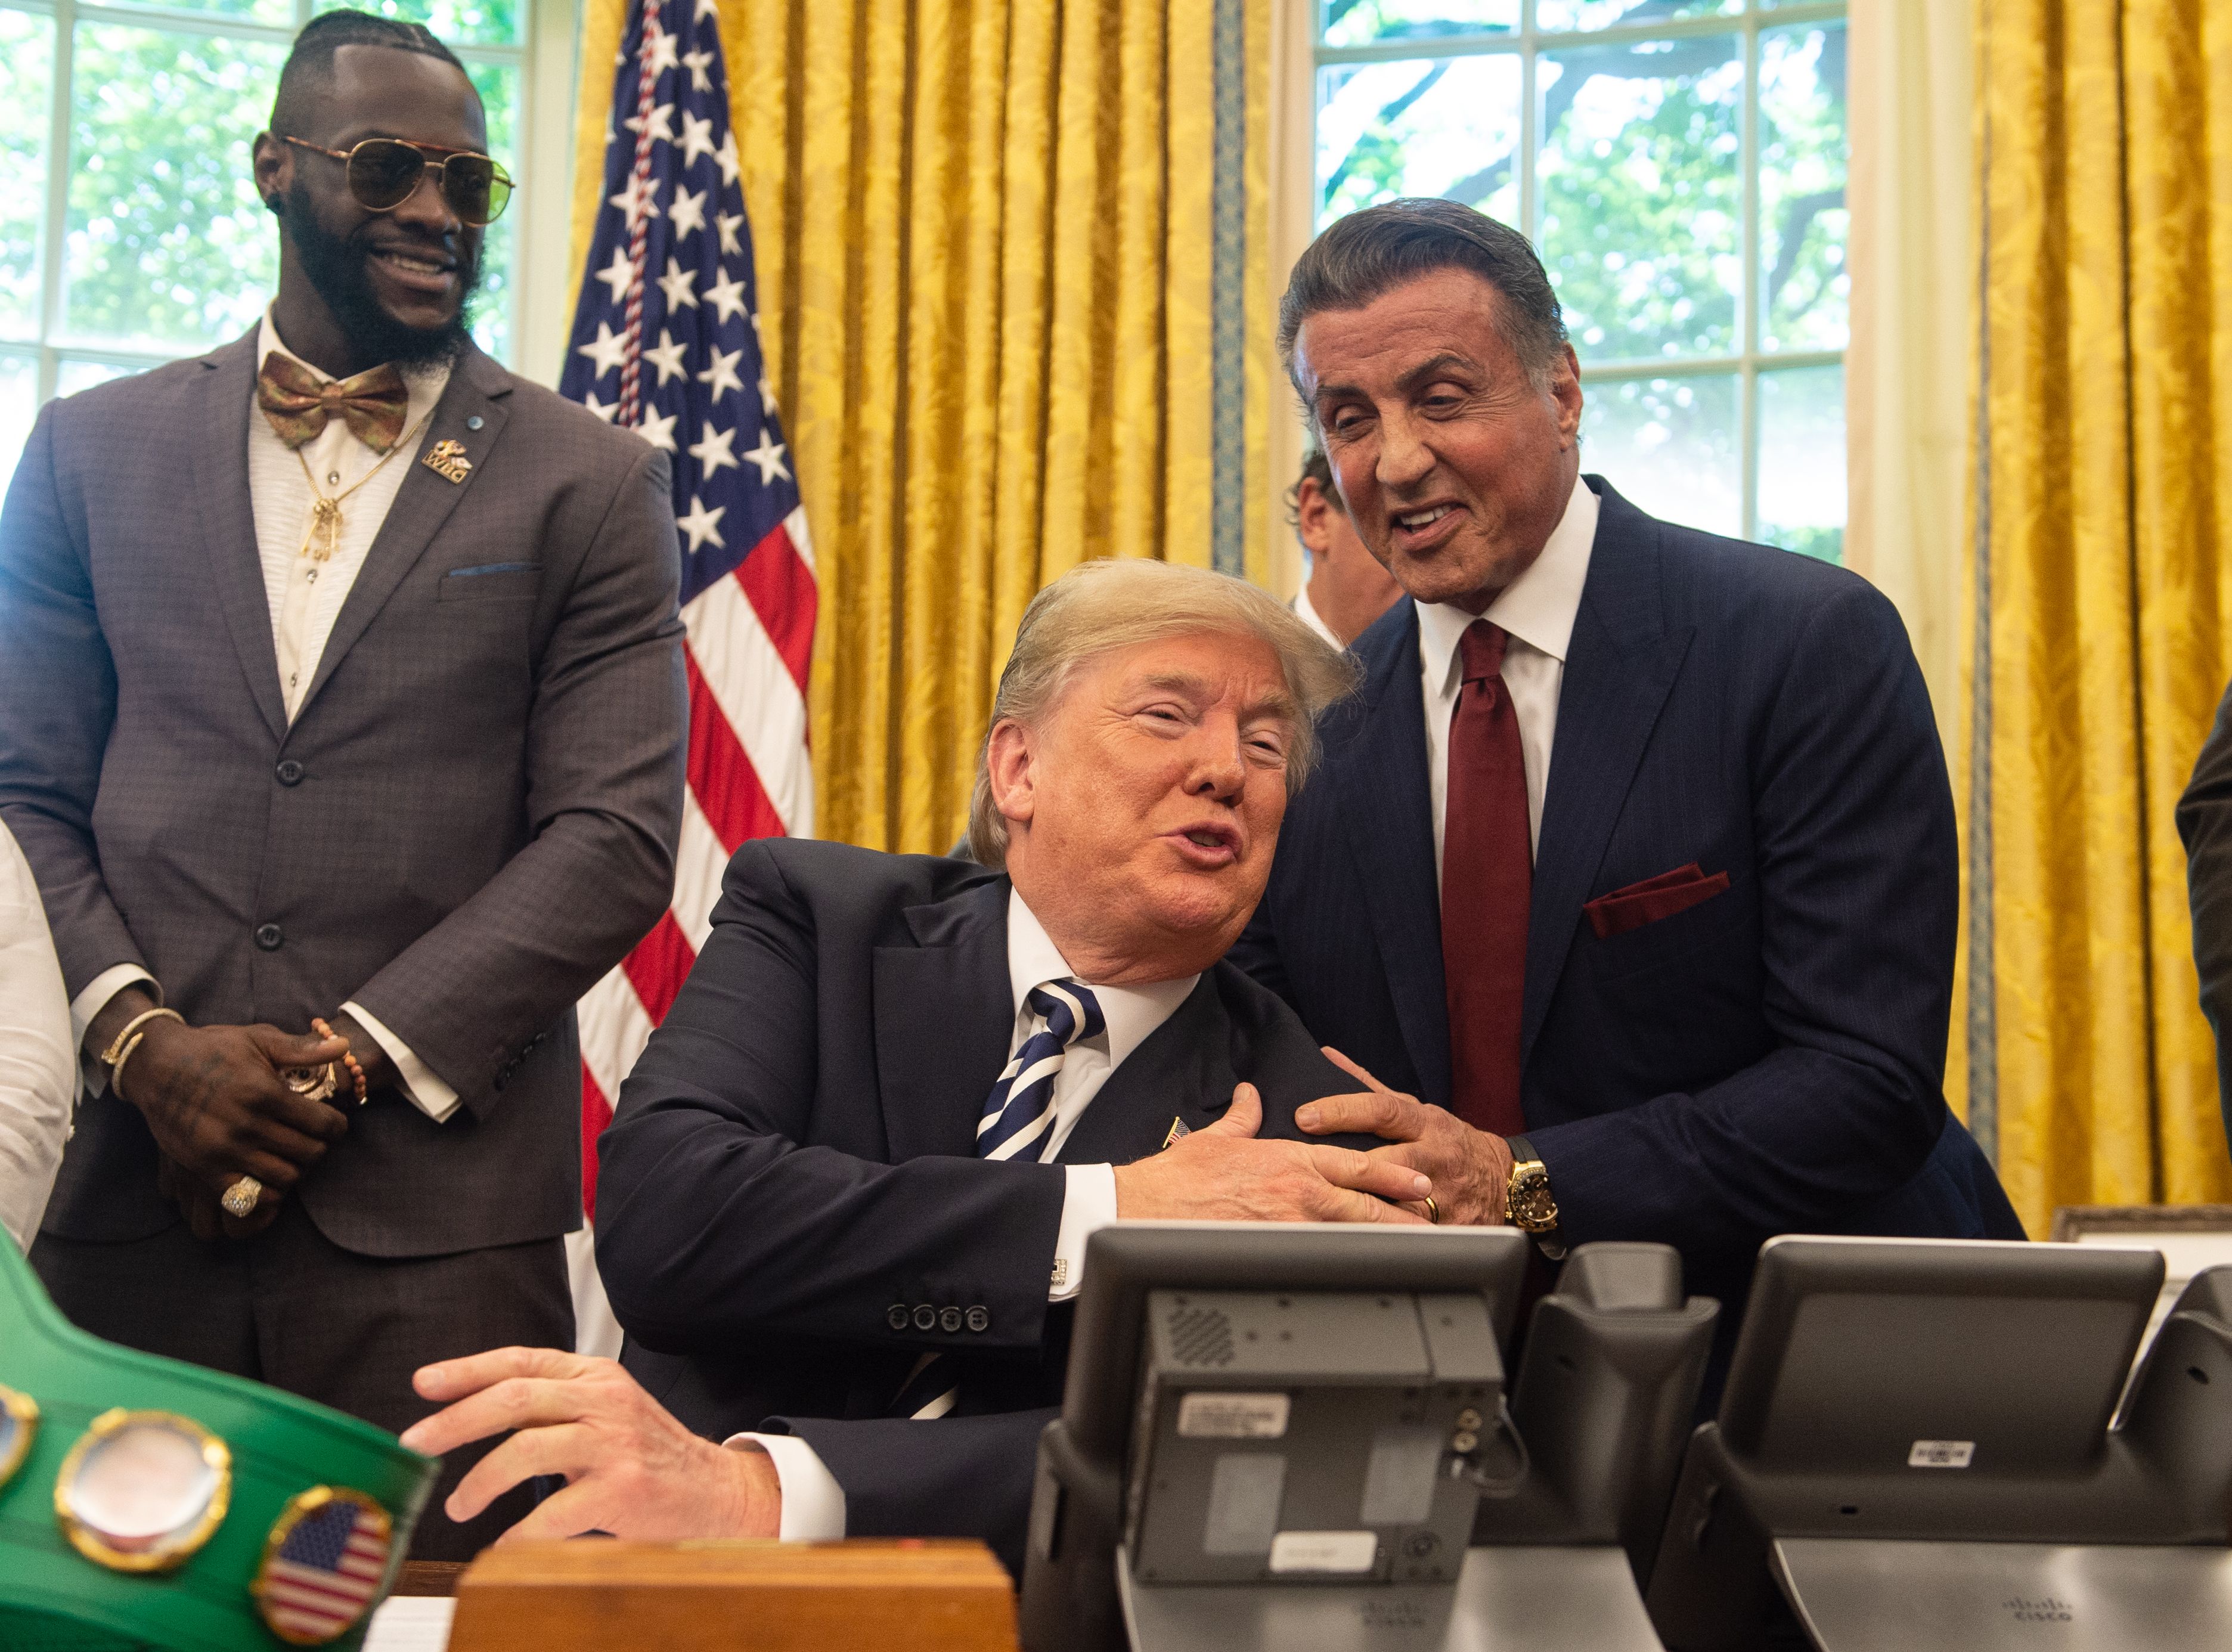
{"x":447,"y":460}
{"x":1179,"y":1127}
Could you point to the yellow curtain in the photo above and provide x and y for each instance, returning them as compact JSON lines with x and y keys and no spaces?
{"x":985,"y":238}
{"x":2103,"y":604}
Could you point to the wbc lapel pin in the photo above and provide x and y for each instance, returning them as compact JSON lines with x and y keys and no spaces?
{"x":447,"y":460}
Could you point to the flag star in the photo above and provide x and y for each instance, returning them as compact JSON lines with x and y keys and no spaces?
{"x":680,"y":287}
{"x":603,"y":409}
{"x":728,"y":296}
{"x":706,"y":9}
{"x":731,"y":168}
{"x":660,"y":47}
{"x":667,"y":357}
{"x":686,"y":212}
{"x":634,"y":199}
{"x":660,"y":121}
{"x":767,"y":395}
{"x":606,"y":351}
{"x":769,"y":457}
{"x":729,"y":223}
{"x":698,"y":63}
{"x":620,"y":275}
{"x":702,"y":524}
{"x":658,"y":428}
{"x":711,"y":451}
{"x":721,"y":375}
{"x":697,"y":137}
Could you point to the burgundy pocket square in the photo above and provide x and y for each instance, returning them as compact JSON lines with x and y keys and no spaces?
{"x":1651,"y":900}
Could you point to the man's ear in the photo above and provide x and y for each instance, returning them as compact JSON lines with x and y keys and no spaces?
{"x":1566,"y":392}
{"x":1008,"y":770}
{"x":275,"y":170}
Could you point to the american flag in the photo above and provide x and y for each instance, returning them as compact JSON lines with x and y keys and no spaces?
{"x":667,"y":342}
{"x":325,"y":1573}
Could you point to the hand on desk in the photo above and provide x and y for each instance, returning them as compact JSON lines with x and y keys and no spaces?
{"x":1470,"y":1169}
{"x":630,"y":1469}
{"x":1222,"y":1173}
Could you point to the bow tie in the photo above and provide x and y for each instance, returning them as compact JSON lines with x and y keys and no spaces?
{"x":298,"y":404}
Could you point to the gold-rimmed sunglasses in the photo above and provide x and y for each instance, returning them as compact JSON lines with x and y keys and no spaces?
{"x":383,"y":172}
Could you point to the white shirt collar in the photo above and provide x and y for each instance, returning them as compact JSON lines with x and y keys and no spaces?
{"x":1131,"y":1012}
{"x":1306,"y":611}
{"x":1538,"y":608}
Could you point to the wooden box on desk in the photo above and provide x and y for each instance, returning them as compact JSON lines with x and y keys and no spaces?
{"x":597,"y":1596}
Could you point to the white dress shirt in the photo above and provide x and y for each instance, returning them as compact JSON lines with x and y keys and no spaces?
{"x":306,"y":596}
{"x":813,"y":1501}
{"x":37,"y":1056}
{"x":1537,"y":610}
{"x":1306,"y":611}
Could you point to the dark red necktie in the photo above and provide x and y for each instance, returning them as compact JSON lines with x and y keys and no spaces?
{"x":1488,"y":874}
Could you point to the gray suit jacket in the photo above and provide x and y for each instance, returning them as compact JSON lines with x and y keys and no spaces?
{"x":471,"y":818}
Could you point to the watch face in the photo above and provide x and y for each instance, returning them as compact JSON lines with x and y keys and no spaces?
{"x":143,"y":1490}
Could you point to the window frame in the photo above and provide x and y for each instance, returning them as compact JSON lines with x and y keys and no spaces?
{"x":1528,"y":41}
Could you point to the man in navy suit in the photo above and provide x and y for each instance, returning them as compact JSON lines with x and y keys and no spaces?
{"x":1632,"y":880}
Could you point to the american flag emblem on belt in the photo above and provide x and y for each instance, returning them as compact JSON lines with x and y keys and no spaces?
{"x":323,"y":1565}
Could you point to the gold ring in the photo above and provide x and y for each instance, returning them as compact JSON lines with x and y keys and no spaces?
{"x":240,"y":1198}
{"x":1433,"y":1210}
{"x":312,"y":1083}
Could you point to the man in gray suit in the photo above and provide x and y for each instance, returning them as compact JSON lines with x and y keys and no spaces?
{"x":341,"y":688}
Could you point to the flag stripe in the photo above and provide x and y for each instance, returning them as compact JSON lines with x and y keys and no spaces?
{"x":657,"y":965}
{"x":727,"y":787}
{"x":758,"y":698}
{"x":783,"y":595}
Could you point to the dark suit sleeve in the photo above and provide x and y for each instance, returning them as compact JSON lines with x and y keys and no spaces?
{"x":726,"y":1208}
{"x":2204,"y":822}
{"x":1857,"y":862}
{"x":58,"y":685}
{"x":959,"y":1477}
{"x":604,"y":754}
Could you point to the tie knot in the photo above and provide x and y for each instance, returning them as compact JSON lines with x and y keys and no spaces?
{"x":1481,"y":649}
{"x":1070,"y":1010}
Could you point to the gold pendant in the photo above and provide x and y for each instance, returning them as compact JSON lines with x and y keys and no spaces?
{"x":325,"y":534}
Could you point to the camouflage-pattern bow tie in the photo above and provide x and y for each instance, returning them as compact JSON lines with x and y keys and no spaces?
{"x":298,"y":404}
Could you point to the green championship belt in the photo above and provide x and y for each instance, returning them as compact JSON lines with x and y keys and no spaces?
{"x":146,"y":1503}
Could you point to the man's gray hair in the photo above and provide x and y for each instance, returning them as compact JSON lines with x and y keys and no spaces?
{"x":1375,"y":250}
{"x":1100,"y":607}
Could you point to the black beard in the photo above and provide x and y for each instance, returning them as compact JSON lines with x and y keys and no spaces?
{"x":335,"y":266}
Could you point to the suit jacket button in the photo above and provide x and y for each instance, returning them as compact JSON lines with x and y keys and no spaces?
{"x":896,"y":1315}
{"x":270,"y":938}
{"x":950,"y":1321}
{"x":980,"y":1317}
{"x":289,"y":772}
{"x":925,"y":1317}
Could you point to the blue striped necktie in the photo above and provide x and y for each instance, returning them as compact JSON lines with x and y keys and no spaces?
{"x":1019,"y":1113}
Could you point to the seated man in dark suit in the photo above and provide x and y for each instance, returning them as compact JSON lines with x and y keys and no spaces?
{"x":849,"y":1183}
{"x":1632,"y":872}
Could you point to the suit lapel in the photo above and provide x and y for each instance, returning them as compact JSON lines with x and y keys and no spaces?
{"x":477,"y":388}
{"x":1388,"y":808}
{"x":1183,"y":1071}
{"x":943,"y":1012}
{"x":228,"y":520}
{"x":1619,"y":669}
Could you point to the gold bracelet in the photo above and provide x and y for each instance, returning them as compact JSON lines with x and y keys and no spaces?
{"x":116,"y":1068}
{"x":120,"y":1046}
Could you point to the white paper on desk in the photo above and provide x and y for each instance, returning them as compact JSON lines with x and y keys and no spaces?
{"x":412,"y":1623}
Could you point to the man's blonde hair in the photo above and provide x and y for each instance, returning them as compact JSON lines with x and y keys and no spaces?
{"x":1100,"y":607}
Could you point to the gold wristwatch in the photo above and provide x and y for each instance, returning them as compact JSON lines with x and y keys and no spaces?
{"x":1527,"y":1202}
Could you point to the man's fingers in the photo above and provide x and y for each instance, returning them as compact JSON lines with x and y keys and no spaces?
{"x":1342,"y":1205}
{"x":515,"y":1402}
{"x":452,"y":1379}
{"x":564,"y":1449}
{"x":294,"y":1049}
{"x":279,"y":1108}
{"x":1244,"y":1118}
{"x":567,"y":1515}
{"x":1353,"y":1069}
{"x":1370,"y":1113}
{"x":1346,"y":1167}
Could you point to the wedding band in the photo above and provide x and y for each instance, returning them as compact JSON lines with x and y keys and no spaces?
{"x":1433,"y":1210}
{"x":312,"y":1083}
{"x":240,"y":1198}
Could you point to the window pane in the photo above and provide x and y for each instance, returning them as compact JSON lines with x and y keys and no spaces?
{"x":81,"y":372}
{"x":1353,"y":22}
{"x":1804,"y":286}
{"x":280,"y":12}
{"x":27,"y":50}
{"x":1642,"y":195}
{"x":455,"y":22}
{"x":19,"y":405}
{"x":1801,"y":460}
{"x":1604,"y":14}
{"x":1424,"y":126}
{"x":1671,"y":445}
{"x":169,"y":243}
{"x":499,"y":90}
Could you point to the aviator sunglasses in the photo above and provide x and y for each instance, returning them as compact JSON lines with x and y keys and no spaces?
{"x":383,"y":172}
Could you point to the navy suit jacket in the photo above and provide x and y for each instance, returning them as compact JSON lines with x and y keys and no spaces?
{"x":790,"y":1208}
{"x":1768,"y":1060}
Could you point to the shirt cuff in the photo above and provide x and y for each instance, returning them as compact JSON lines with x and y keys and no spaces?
{"x":1089,"y":1202}
{"x":813,"y":1501}
{"x":427,"y":1092}
{"x":88,"y":1004}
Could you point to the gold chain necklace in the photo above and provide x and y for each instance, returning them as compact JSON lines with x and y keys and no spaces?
{"x":323,"y":535}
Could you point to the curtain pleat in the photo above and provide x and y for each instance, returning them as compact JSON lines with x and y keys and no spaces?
{"x":984,"y":232}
